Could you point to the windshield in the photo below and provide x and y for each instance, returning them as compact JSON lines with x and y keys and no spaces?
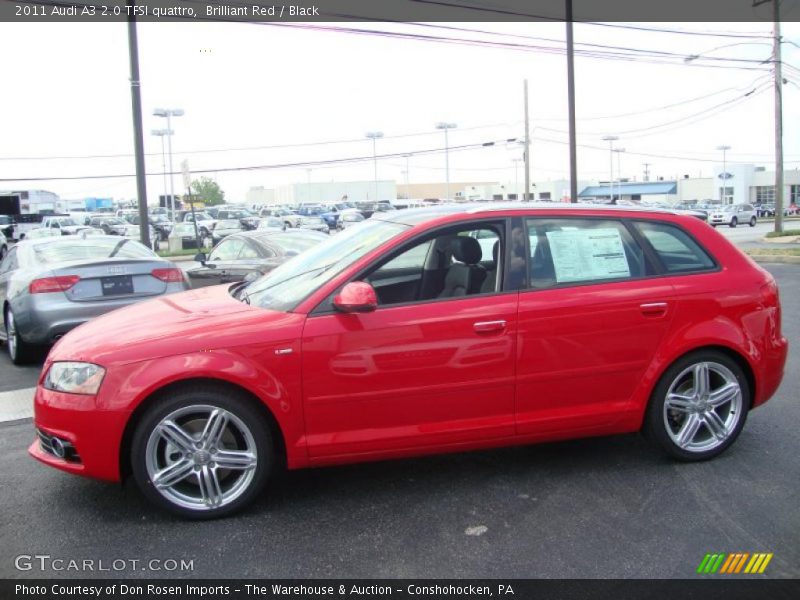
{"x":287,"y":285}
{"x":64,"y":250}
{"x":67,"y":222}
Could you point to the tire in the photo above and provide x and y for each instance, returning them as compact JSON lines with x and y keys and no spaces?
{"x":734,"y":222}
{"x":680,"y":416}
{"x":246,"y":438}
{"x":287,"y":225}
{"x":19,"y":351}
{"x":3,"y":251}
{"x":752,"y":221}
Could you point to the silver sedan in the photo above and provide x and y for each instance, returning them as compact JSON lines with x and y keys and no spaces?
{"x":51,"y":285}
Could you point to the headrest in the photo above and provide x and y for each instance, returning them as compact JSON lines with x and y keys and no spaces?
{"x":466,"y":250}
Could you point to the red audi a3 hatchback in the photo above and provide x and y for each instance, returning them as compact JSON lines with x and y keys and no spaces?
{"x":417,"y":332}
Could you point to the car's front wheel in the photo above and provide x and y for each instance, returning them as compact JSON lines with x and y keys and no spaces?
{"x":734,"y":222}
{"x":752,"y":221}
{"x":202,"y":453}
{"x":699,"y":406}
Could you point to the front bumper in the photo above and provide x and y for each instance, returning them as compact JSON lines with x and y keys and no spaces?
{"x":92,"y":432}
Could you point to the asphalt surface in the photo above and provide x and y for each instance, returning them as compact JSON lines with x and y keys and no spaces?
{"x":605,"y":507}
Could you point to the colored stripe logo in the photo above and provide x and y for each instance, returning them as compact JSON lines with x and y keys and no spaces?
{"x":734,"y":563}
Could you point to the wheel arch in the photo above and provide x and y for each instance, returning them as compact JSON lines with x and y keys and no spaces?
{"x":210,"y":383}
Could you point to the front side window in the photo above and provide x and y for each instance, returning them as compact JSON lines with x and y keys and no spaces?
{"x":577,"y":251}
{"x":676,"y":249}
{"x":226,"y":250}
{"x":459,"y":261}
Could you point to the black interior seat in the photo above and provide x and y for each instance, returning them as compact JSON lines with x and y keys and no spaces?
{"x":465,"y":276}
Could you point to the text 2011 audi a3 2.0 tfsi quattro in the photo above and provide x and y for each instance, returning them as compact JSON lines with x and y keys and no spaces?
{"x":416,"y":332}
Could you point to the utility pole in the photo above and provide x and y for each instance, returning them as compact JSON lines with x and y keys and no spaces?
{"x":573,"y":144}
{"x":138,"y":135}
{"x":646,"y":171}
{"x":527,"y":155}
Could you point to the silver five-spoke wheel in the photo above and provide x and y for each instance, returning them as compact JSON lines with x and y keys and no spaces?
{"x":703,"y":407}
{"x":201,"y":457}
{"x":203,"y":452}
{"x":699,"y":406}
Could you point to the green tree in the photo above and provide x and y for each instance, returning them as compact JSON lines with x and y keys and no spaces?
{"x":207,"y":190}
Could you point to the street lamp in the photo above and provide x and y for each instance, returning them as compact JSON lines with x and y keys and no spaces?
{"x":610,"y":139}
{"x":619,"y":152}
{"x":446,"y":126}
{"x":724,"y":189}
{"x":375,"y":135}
{"x":169,"y":113}
{"x":161,"y":133}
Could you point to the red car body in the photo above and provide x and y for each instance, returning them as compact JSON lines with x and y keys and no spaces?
{"x":419,"y":379}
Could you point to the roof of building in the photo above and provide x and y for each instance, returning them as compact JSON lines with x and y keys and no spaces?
{"x":641,"y":189}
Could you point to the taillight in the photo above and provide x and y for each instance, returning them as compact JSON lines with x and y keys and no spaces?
{"x":45,"y":285}
{"x":168,"y":275}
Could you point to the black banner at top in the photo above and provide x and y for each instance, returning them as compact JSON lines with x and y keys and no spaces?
{"x":189,"y":11}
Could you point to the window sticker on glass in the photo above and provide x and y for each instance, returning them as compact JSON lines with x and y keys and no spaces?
{"x":588,"y":254}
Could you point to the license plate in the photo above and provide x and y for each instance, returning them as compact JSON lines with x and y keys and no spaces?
{"x":117,"y":286}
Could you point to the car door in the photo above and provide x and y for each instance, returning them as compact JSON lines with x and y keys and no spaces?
{"x":419,"y":373}
{"x":590,"y":321}
{"x":217,"y":268}
{"x":7,"y":267}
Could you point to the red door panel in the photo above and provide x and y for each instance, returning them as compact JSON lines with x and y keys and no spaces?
{"x":410,"y":376}
{"x":583,"y":350}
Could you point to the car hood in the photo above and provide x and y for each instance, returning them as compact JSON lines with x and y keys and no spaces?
{"x":197,"y":320}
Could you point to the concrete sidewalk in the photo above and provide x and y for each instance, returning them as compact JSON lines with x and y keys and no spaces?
{"x":16,"y":404}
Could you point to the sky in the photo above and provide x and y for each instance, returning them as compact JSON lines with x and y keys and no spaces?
{"x":259,"y":95}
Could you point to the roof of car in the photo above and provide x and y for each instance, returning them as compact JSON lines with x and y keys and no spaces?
{"x":415,"y":216}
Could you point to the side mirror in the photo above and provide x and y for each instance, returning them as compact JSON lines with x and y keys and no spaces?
{"x":356,"y":297}
{"x":200,"y":257}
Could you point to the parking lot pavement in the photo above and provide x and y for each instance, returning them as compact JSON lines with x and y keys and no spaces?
{"x":605,"y":507}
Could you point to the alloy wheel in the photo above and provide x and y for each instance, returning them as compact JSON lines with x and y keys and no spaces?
{"x":201,"y":457}
{"x":11,"y":335}
{"x":703,"y":407}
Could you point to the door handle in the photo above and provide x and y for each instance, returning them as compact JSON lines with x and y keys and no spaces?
{"x":654,"y":309}
{"x":489,"y":326}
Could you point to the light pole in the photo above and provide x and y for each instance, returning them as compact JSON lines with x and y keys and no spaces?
{"x":610,"y":139}
{"x":375,"y":135}
{"x":446,"y":126}
{"x":308,"y":184}
{"x":408,"y":178}
{"x":169,"y":113}
{"x":724,"y":175}
{"x":619,"y":152}
{"x":161,"y":133}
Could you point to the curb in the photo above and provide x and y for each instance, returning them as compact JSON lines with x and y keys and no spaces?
{"x":784,"y":239}
{"x":775,"y":258}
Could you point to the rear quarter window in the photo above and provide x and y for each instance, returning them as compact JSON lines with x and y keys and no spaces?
{"x":677,"y":250}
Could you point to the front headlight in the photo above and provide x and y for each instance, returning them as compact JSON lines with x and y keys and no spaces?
{"x":74,"y":378}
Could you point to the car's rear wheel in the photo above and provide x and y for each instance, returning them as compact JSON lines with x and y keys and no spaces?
{"x":2,"y":252}
{"x":734,"y":222}
{"x":19,"y":351}
{"x":202,"y":453}
{"x":752,"y":221}
{"x":699,"y":406}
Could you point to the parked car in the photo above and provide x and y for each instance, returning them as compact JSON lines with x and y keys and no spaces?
{"x":225,"y":227}
{"x":50,"y":286}
{"x":250,"y":255}
{"x":41,"y":232}
{"x":733,"y":214}
{"x":766,"y":210}
{"x":186,"y":232}
{"x":348,"y":219}
{"x":271,"y":223}
{"x":110,"y":225}
{"x":205,"y":223}
{"x":369,"y":208}
{"x":399,"y":338}
{"x":64,"y":225}
{"x":248,"y":220}
{"x":312,"y":222}
{"x":3,"y":245}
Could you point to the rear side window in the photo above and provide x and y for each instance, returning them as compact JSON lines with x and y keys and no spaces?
{"x":579,"y":251}
{"x":677,"y":250}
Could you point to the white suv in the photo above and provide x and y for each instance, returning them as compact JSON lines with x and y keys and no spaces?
{"x":733,"y":214}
